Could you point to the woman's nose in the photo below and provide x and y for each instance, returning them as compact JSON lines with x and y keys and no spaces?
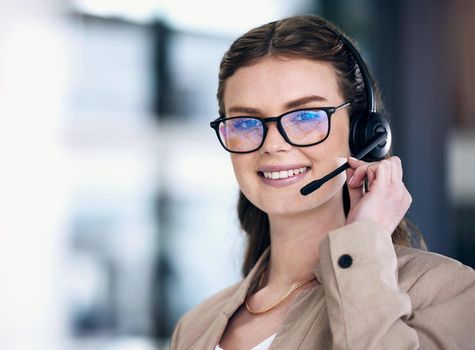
{"x":274,"y":141}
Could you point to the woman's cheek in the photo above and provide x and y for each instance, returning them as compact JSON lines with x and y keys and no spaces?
{"x":241,"y":166}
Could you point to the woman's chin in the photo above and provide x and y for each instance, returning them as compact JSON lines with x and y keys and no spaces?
{"x":286,"y":204}
{"x":288,"y":207}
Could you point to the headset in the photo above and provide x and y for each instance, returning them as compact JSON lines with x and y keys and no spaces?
{"x":370,"y":132}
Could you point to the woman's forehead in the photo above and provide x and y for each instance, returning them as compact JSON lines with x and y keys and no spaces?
{"x":276,"y":81}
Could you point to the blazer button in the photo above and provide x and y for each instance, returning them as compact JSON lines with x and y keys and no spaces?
{"x":345,"y":261}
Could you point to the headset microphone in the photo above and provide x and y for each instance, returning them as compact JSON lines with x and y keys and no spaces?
{"x":314,"y":185}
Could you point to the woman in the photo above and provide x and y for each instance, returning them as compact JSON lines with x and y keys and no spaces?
{"x":334,"y":269}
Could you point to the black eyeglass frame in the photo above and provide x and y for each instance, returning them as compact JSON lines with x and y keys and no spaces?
{"x":329,"y":111}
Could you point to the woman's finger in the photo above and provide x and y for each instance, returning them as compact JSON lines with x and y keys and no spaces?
{"x":360,"y":169}
{"x":379,"y":174}
{"x":354,"y":163}
{"x":396,"y":167}
{"x":349,"y":173}
{"x":356,"y":193}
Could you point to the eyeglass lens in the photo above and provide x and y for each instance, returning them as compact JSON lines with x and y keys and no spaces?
{"x":244,"y":134}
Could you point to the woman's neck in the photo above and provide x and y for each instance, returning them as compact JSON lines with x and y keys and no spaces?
{"x":295,"y":241}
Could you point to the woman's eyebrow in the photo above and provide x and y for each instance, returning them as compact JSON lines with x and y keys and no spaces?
{"x":304,"y":100}
{"x":289,"y":105}
{"x":244,"y":110}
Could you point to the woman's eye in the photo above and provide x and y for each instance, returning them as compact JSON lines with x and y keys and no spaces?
{"x":246,"y":124}
{"x":307,"y":116}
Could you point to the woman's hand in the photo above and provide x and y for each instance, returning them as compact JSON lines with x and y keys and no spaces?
{"x":386,"y":200}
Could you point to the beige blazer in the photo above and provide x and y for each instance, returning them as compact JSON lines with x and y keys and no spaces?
{"x":379,"y":296}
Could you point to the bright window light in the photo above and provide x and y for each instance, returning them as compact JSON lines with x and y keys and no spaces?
{"x":213,"y":16}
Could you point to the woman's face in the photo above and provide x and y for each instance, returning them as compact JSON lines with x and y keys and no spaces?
{"x":271,"y":87}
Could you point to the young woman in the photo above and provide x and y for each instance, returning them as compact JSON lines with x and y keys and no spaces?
{"x":334,"y":269}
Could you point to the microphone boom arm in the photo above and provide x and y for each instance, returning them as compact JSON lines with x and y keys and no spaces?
{"x":316,"y":184}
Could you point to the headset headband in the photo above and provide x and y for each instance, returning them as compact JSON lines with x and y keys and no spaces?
{"x":370,"y":100}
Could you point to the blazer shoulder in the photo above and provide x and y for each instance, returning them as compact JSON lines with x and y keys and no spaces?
{"x":421,"y":260}
{"x":430,"y":277}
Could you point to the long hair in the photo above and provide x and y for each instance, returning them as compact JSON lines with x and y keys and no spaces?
{"x":300,"y":37}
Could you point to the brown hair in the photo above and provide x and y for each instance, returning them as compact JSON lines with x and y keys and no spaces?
{"x":304,"y":37}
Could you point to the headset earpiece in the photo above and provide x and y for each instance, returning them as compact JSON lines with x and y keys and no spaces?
{"x":364,"y":129}
{"x":377,"y":124}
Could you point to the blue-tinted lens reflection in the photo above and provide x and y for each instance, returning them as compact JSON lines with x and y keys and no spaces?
{"x":306,"y":126}
{"x":241,"y":134}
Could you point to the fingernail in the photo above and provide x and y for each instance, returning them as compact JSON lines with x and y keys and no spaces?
{"x":354,"y":159}
{"x":350,"y":180}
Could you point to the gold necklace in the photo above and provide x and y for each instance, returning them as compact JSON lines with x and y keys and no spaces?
{"x":280,"y":301}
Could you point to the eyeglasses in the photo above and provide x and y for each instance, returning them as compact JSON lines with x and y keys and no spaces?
{"x":301,"y":128}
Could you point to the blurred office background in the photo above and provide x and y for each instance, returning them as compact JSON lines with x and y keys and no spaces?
{"x":117,"y":204}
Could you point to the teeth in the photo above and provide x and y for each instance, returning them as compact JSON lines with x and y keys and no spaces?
{"x":275,"y":175}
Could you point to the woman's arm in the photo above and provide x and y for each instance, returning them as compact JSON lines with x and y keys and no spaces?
{"x":366,"y":307}
{"x":431,"y":306}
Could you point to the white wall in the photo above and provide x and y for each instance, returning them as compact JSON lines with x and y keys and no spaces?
{"x":34,"y":175}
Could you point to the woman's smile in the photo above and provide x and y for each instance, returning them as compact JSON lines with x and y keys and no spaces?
{"x":284,"y":175}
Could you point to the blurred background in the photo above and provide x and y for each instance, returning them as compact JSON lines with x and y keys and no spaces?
{"x":117,"y":204}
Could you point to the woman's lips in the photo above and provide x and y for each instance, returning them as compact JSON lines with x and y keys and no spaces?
{"x":278,"y":177}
